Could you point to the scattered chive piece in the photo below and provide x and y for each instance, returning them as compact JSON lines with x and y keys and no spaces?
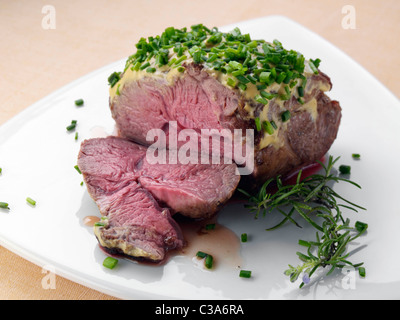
{"x":151,"y":70}
{"x":285,"y":116}
{"x":77,"y":169}
{"x":82,"y":183}
{"x":79,"y":102}
{"x":243,"y":237}
{"x":361,"y":272}
{"x":209,"y":261}
{"x":274,"y":125}
{"x":76,"y":135}
{"x":110,"y":262}
{"x":344,"y":169}
{"x":4,"y":205}
{"x":354,"y":155}
{"x":31,"y":201}
{"x":361,"y":226}
{"x":201,"y":254}
{"x":210,"y":226}
{"x":258,"y":123}
{"x":72,"y":126}
{"x":1,"y":170}
{"x":245,"y":274}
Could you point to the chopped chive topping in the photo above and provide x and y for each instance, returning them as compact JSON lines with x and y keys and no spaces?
{"x":245,"y":274}
{"x":151,"y":70}
{"x":260,"y":99}
{"x":76,"y":135}
{"x":344,"y":169}
{"x":209,"y":261}
{"x":99,"y":224}
{"x":31,"y":201}
{"x":267,"y":126}
{"x":77,"y":169}
{"x":1,"y":170}
{"x":235,"y":54}
{"x":354,"y":155}
{"x":79,"y":102}
{"x":110,"y":262}
{"x":285,"y":116}
{"x":243,"y":237}
{"x":4,"y":205}
{"x":313,"y":67}
{"x":361,"y":272}
{"x":258,"y":123}
{"x":114,"y":78}
{"x":300,"y":90}
{"x":231,"y":82}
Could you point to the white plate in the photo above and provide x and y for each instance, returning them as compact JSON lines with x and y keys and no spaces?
{"x":38,"y":157}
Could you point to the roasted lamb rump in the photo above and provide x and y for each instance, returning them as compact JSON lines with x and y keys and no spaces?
{"x":228,"y":81}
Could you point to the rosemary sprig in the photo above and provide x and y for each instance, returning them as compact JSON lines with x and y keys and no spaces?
{"x":314,"y":200}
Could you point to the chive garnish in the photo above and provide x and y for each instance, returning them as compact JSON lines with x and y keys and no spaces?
{"x":110,"y":262}
{"x":72,"y":126}
{"x":344,"y":169}
{"x":361,"y":272}
{"x":76,"y":135}
{"x":4,"y":205}
{"x":201,"y":254}
{"x":77,"y":169}
{"x":241,"y":58}
{"x":210,"y":226}
{"x":300,"y":90}
{"x":258,"y":123}
{"x":31,"y":201}
{"x":114,"y":78}
{"x":356,"y":156}
{"x":268,"y":128}
{"x":79,"y":102}
{"x":285,"y":116}
{"x":209,"y":261}
{"x":243,"y":237}
{"x":245,"y":274}
{"x":99,"y":224}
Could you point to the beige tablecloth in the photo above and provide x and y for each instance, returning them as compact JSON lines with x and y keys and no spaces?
{"x":39,"y":56}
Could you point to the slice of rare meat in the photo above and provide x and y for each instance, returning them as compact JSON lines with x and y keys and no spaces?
{"x":130,"y":193}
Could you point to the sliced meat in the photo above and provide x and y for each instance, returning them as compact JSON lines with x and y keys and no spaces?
{"x":136,"y":226}
{"x":131,"y":193}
